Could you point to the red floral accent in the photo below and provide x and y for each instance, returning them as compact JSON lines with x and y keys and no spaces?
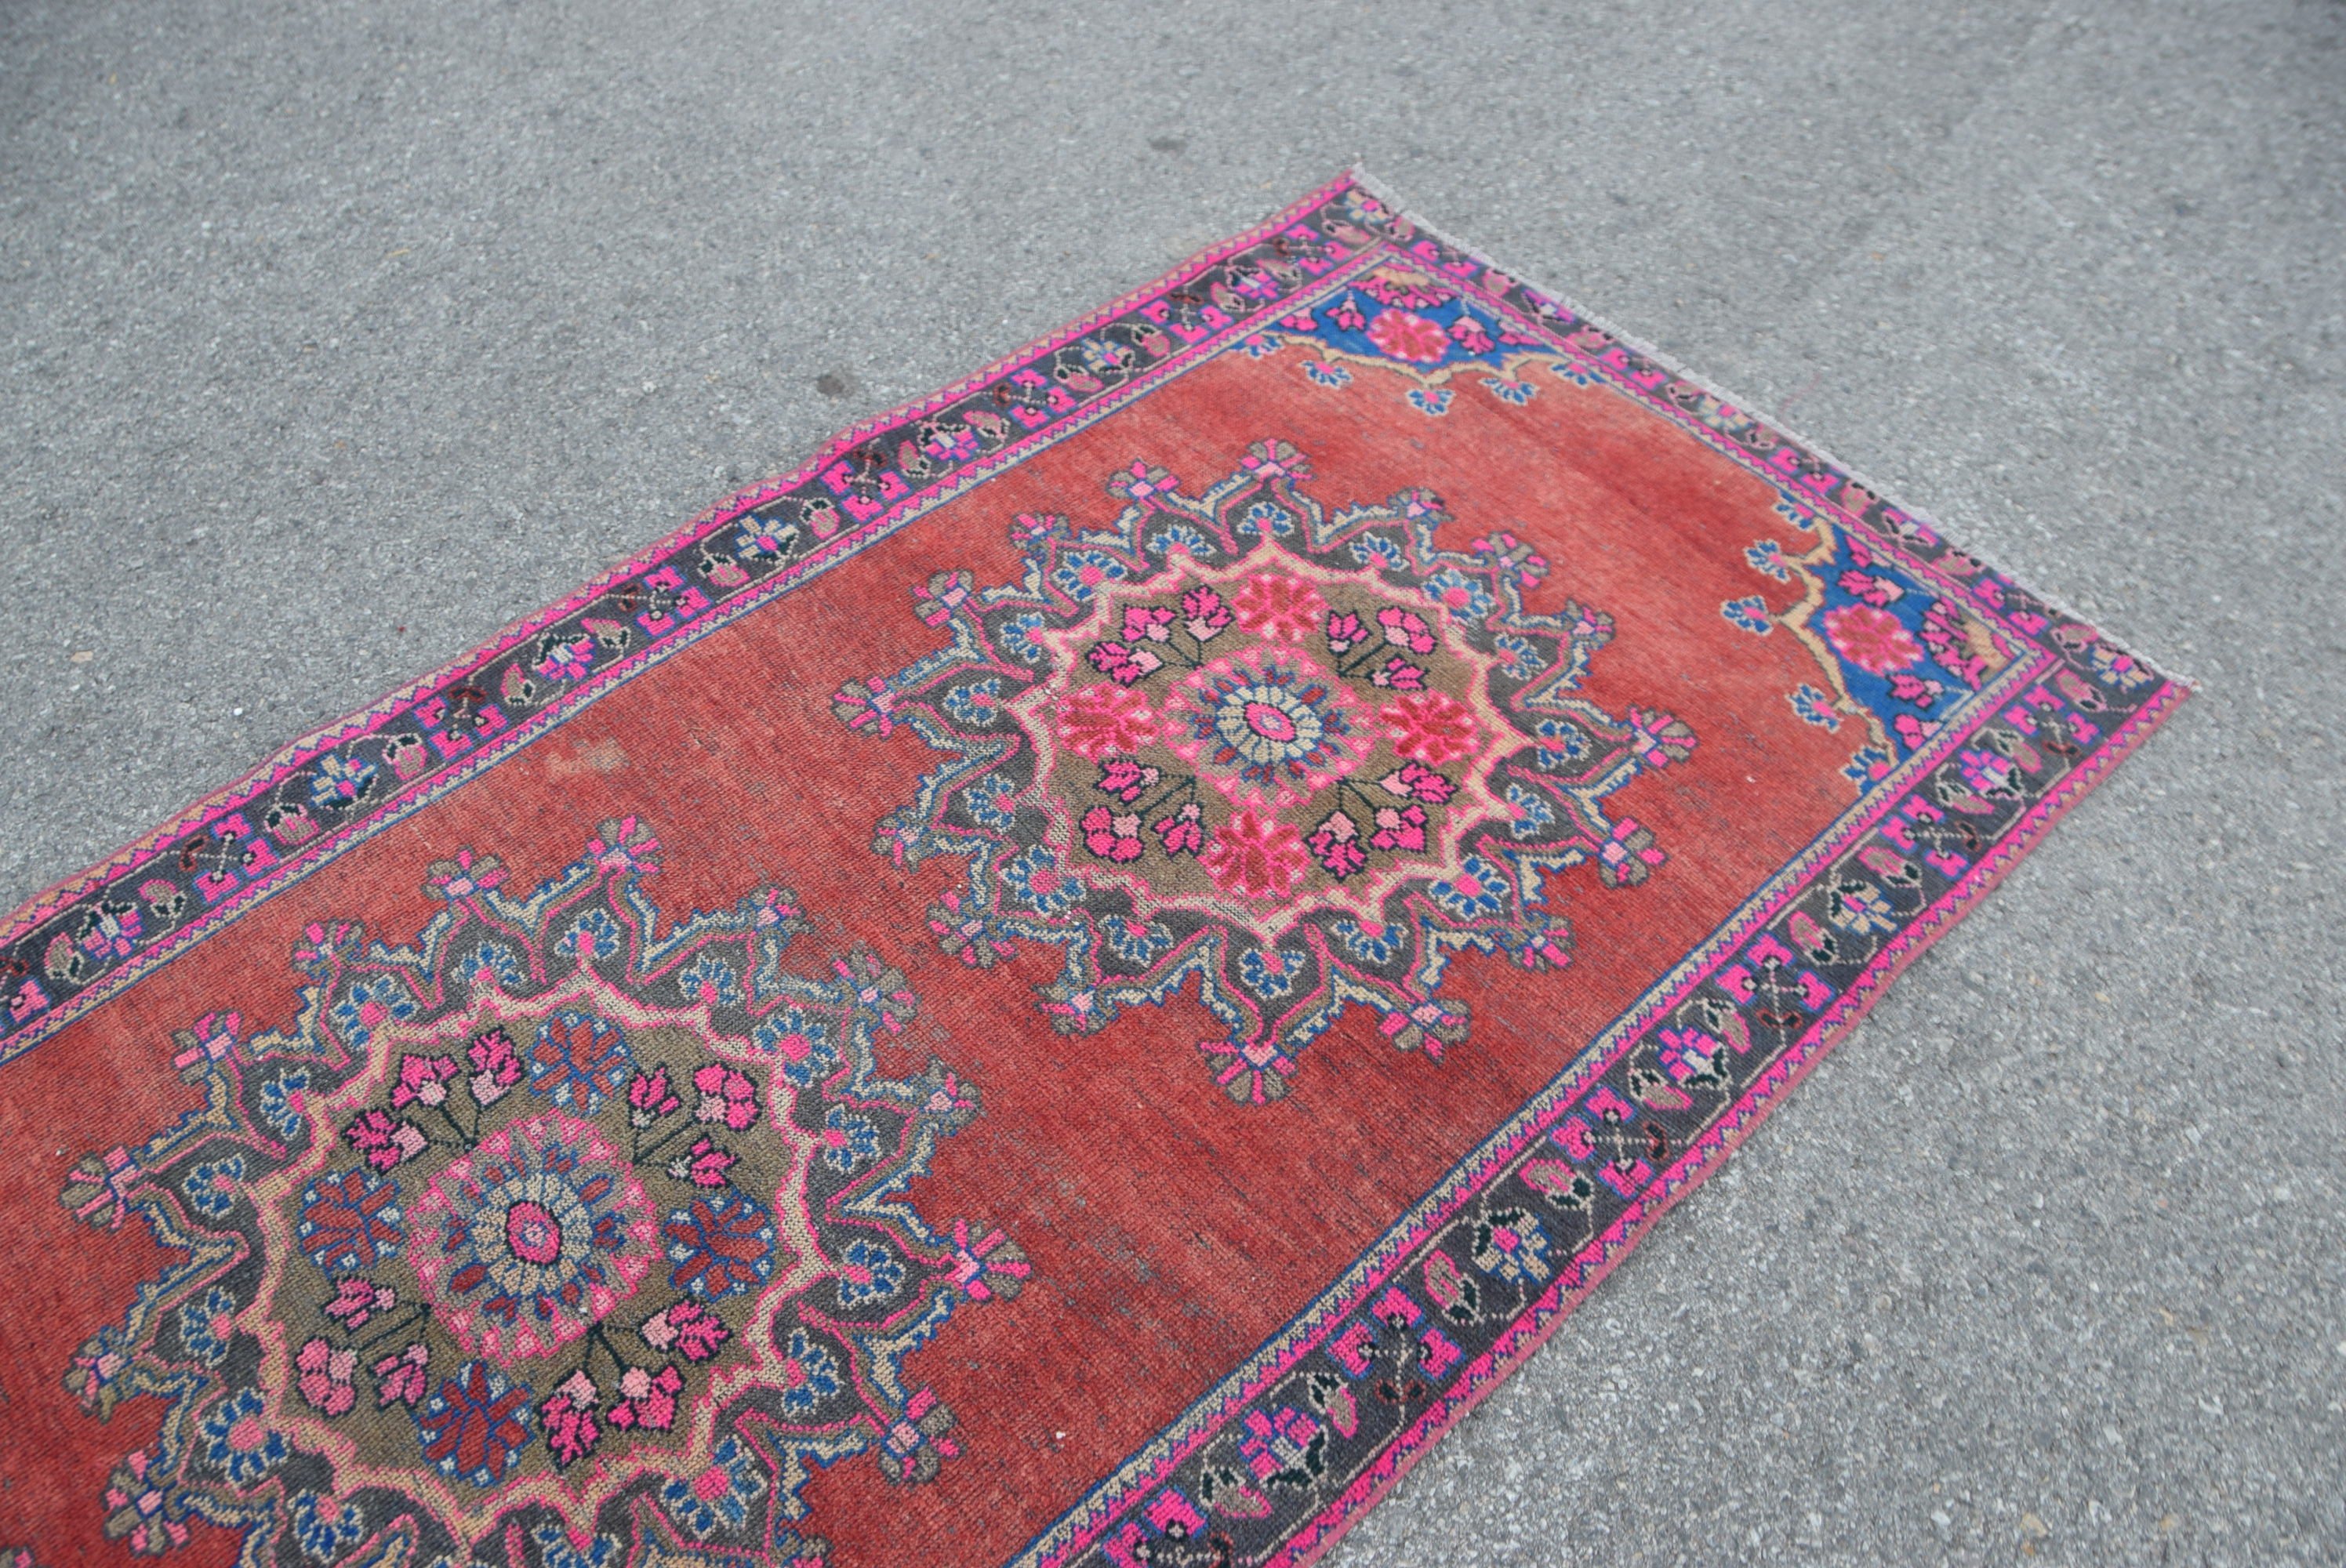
{"x":356,"y":1300}
{"x":496,"y":1067}
{"x":1147,"y":623}
{"x":1405,"y":629}
{"x":1095,"y":720}
{"x":650,"y":1098}
{"x":1126,"y":779}
{"x":1873,"y":590}
{"x":568,"y":1417}
{"x":1873,"y":640}
{"x":1281,"y":606}
{"x":399,"y":1377}
{"x":1399,"y":827}
{"x":1122,"y":665}
{"x":650,"y":1399}
{"x":477,"y":1428}
{"x":690,"y":1327}
{"x":383,"y":1141}
{"x":704,"y":1165}
{"x":1255,"y":857}
{"x":1434,"y":728}
{"x":1408,"y":336}
{"x":1415,"y":782}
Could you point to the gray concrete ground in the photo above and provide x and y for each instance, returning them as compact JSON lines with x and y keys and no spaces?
{"x":334,"y":335}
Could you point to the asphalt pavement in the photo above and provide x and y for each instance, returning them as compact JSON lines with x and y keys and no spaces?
{"x":333,"y":336}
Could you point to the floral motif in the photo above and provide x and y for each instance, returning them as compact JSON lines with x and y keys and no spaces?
{"x":527,"y":1278}
{"x":1874,"y":640}
{"x":1096,"y":721}
{"x":1245,"y":725}
{"x":1408,"y":336}
{"x":531,"y":1238}
{"x":1267,"y":725}
{"x":1255,"y":857}
{"x":475,"y":1423}
{"x":721,"y":1245}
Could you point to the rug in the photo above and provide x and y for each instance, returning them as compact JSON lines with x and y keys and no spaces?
{"x":1069,"y":983}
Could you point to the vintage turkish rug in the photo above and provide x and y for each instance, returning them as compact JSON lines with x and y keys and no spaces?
{"x":1068,"y":984}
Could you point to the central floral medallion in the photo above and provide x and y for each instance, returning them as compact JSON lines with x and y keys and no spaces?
{"x":557,"y":1221}
{"x":1303,"y":758}
{"x":531,"y":1239}
{"x":1250,"y":740}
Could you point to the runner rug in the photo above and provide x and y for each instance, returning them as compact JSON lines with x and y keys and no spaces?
{"x":1069,"y":983}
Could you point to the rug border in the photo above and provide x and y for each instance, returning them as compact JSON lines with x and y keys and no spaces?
{"x":1312,"y":1542}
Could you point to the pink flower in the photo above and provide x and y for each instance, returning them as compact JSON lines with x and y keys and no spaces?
{"x":1397,"y":674}
{"x":727,"y":1095}
{"x":1204,"y":614}
{"x":1147,"y":623}
{"x":1122,"y":665}
{"x":704,"y":1165}
{"x":1871,"y":639}
{"x":1255,"y":857}
{"x":1279,"y":607}
{"x":1126,"y":779}
{"x":1183,"y":832}
{"x":1345,"y":632}
{"x":649,"y":1097}
{"x":495,"y":1068}
{"x":356,"y":1300}
{"x":1408,"y":336}
{"x":1399,"y":828}
{"x":1432,"y":727}
{"x":1416,"y":781}
{"x":650,"y":1399}
{"x":1873,"y":590}
{"x":571,"y":1431}
{"x":1404,"y":629}
{"x":1336,"y":845}
{"x":325,"y":1379}
{"x":1112,"y":836}
{"x":383,"y":1141}
{"x":690,"y":1326}
{"x":422,"y":1079}
{"x":1095,"y":720}
{"x":399,"y":1377}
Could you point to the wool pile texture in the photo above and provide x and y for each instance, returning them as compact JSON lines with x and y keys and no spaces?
{"x":1069,"y":983}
